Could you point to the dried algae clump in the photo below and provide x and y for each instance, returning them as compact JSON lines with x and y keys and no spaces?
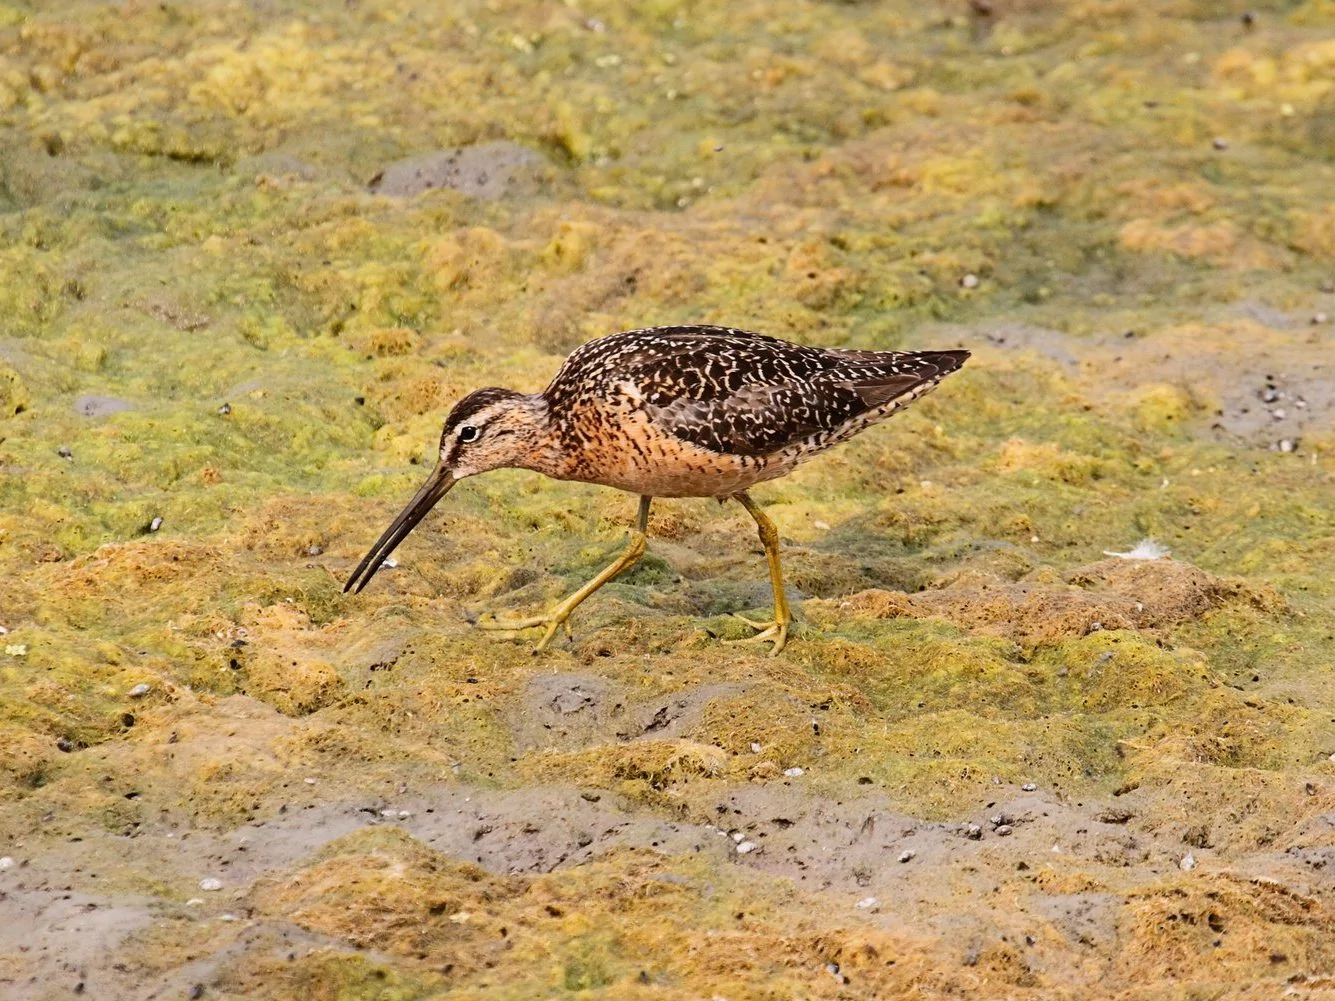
{"x":295,"y":686}
{"x":380,"y":889}
{"x":1213,"y":930}
{"x":284,"y":663}
{"x":1111,"y":594}
{"x":623,"y":923}
{"x":13,"y":393}
{"x":649,"y":765}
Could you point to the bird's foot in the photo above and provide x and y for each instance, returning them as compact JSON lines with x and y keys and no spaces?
{"x":551,"y":622}
{"x":773,"y":631}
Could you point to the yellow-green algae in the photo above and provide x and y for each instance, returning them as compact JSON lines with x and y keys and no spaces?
{"x":1142,"y":193}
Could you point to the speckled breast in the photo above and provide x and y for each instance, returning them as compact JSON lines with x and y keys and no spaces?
{"x":617,"y":446}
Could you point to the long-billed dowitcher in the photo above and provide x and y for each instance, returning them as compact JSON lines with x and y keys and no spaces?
{"x":691,"y":411}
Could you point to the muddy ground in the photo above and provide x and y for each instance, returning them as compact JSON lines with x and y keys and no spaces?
{"x":251,"y":252}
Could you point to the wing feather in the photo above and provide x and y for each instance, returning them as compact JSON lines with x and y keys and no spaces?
{"x":742,"y":393}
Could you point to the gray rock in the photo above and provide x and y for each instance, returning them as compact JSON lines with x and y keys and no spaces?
{"x":490,"y":171}
{"x":101,"y":406}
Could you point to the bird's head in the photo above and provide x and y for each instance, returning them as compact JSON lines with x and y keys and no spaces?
{"x":488,"y":429}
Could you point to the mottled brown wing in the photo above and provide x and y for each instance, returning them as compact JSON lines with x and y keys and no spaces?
{"x":753,"y":395}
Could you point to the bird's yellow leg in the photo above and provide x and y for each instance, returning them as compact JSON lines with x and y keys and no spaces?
{"x":777,"y":630}
{"x":559,"y":615}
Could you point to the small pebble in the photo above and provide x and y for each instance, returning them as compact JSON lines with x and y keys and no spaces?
{"x":226,"y":917}
{"x":1220,"y":144}
{"x":907,"y":855}
{"x":973,"y":832}
{"x":194,"y":902}
{"x":64,"y":744}
{"x":139,"y":690}
{"x":1319,"y":318}
{"x":969,"y":281}
{"x":1029,"y":787}
{"x":17,"y":649}
{"x":1188,"y":862}
{"x":389,"y":564}
{"x":866,"y":902}
{"x":1004,"y":830}
{"x":309,"y":782}
{"x":1287,"y":445}
{"x":1269,"y":395}
{"x":314,"y":550}
{"x":822,"y":525}
{"x":155,"y":524}
{"x":65,"y":452}
{"x":210,"y":884}
{"x":4,"y":631}
{"x":738,"y":836}
{"x":755,"y":747}
{"x":224,"y":410}
{"x":746,"y":847}
{"x":1279,"y":413}
{"x":792,"y":773}
{"x":389,"y":813}
{"x":6,"y":862}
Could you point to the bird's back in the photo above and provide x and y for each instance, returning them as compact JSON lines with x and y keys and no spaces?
{"x":737,"y":393}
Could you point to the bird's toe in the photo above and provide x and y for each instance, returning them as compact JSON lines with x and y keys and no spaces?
{"x":770,"y":632}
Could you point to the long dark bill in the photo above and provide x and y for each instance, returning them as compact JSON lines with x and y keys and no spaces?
{"x":437,"y":486}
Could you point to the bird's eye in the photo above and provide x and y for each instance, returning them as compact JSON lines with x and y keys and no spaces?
{"x":468,"y":433}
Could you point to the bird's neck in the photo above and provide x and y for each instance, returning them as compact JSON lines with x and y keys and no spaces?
{"x":542,"y":450}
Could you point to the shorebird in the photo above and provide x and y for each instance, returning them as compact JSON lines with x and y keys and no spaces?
{"x":688,"y":411}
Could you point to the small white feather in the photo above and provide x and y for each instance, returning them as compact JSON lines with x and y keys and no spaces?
{"x":1145,"y":549}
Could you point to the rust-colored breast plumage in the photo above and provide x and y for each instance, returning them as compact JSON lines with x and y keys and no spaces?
{"x":709,"y":411}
